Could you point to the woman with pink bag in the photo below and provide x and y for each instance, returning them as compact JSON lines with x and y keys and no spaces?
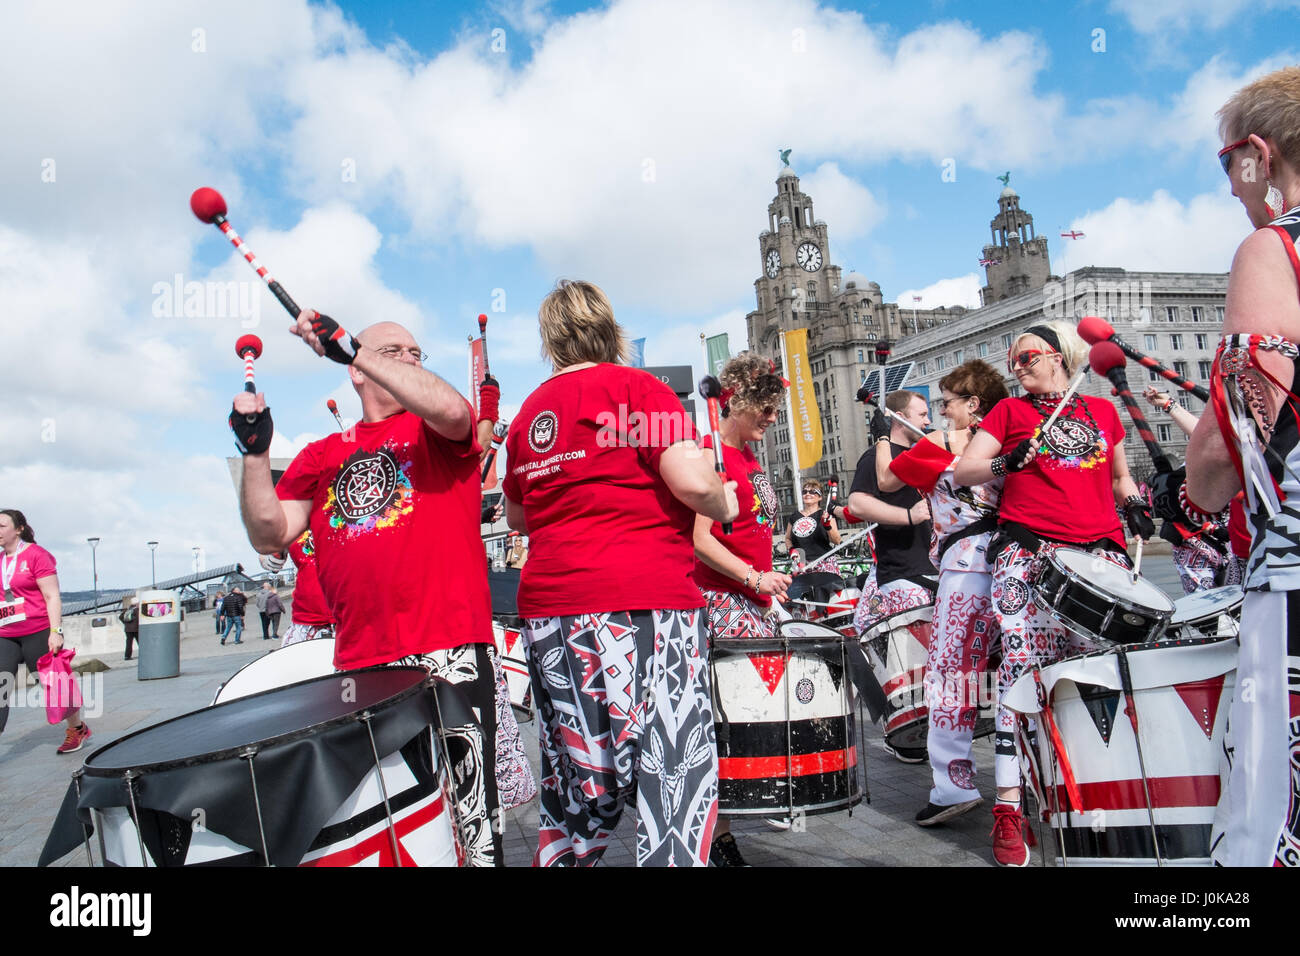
{"x":31,"y":615}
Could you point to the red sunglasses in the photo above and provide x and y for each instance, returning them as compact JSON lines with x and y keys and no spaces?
{"x":1225,"y":154}
{"x":1027,"y":358}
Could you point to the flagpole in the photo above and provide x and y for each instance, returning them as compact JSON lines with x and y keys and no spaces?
{"x":789,"y":415}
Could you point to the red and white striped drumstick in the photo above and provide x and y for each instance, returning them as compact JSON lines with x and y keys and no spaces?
{"x":210,"y":207}
{"x":249,"y":348}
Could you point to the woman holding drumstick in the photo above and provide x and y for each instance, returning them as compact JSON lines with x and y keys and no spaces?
{"x":1061,"y":490}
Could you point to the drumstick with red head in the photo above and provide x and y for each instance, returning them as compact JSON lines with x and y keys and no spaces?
{"x":1107,"y":358}
{"x":249,"y":348}
{"x":482,"y":331}
{"x":711,"y":392}
{"x":210,"y":207}
{"x":1093,"y":330}
{"x":333,"y":406}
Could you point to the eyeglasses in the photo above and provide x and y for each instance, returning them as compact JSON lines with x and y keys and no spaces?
{"x":1225,"y":154}
{"x":393,"y":351}
{"x":1027,"y":359}
{"x":943,"y":405}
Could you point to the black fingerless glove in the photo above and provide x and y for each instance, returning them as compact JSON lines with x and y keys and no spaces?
{"x":252,"y":438}
{"x":1016,"y":457}
{"x":339,"y":346}
{"x":1138,"y":515}
{"x":880,"y":426}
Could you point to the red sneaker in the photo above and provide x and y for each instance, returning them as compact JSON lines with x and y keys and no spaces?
{"x":1009,"y":848}
{"x":75,"y":738}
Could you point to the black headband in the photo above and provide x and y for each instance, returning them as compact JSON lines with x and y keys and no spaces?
{"x":1047,"y":335}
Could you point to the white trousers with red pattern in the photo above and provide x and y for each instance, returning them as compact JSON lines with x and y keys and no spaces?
{"x":1031,"y":637}
{"x":964,"y":631}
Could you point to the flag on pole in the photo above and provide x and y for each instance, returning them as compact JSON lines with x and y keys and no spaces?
{"x":636,"y":353}
{"x":718,"y":351}
{"x":806,"y":430}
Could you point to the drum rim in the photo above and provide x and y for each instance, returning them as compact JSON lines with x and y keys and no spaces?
{"x":776,"y":645}
{"x":257,"y":660}
{"x":1088,"y":586}
{"x":1209,"y":611}
{"x":218,"y":756}
{"x":1132,"y":648}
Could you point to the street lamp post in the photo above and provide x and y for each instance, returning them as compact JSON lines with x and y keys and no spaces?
{"x":196,"y":549}
{"x":94,"y":567}
{"x":153,"y":567}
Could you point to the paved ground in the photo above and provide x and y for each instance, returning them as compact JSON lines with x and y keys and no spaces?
{"x":33,"y":778}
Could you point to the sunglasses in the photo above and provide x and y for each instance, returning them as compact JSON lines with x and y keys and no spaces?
{"x":1225,"y":154}
{"x":1027,"y":359}
{"x":810,"y":491}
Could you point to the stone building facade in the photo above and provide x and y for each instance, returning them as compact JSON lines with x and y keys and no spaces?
{"x":1176,"y":317}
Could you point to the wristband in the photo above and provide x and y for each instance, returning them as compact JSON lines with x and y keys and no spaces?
{"x":999,"y":466}
{"x":909,"y":518}
{"x":1134,"y":501}
{"x":758,"y":585}
{"x":748,"y":572}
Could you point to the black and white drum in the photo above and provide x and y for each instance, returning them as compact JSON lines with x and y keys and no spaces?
{"x":1215,"y":612}
{"x":1086,"y":766}
{"x":898,"y":646}
{"x":337,"y":771}
{"x":783,"y":708}
{"x":1100,"y":601}
{"x":284,"y":666}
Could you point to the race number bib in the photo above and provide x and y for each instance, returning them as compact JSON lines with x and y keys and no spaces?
{"x":11,"y":612}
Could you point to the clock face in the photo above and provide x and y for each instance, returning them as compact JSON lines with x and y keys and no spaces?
{"x":773,"y":263}
{"x":809,"y":256}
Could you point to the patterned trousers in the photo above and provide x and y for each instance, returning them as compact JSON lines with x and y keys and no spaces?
{"x":1257,"y":822}
{"x":964,"y":631}
{"x":734,"y":616}
{"x":625,"y":717}
{"x":1030,"y":636}
{"x":471,"y":750}
{"x":1201,"y":566}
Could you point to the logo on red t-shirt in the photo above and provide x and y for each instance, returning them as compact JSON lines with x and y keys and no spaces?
{"x":541,"y":433}
{"x":1071,"y":438}
{"x":767,"y":503}
{"x":365,"y":485}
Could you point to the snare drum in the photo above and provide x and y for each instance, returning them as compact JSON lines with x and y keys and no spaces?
{"x":286,"y":665}
{"x":1182,"y":691}
{"x":337,"y":771}
{"x":898,"y":646}
{"x":783,"y":708}
{"x":1215,"y":612}
{"x":1099,"y":601}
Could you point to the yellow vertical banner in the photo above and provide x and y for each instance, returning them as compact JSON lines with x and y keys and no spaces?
{"x":806,"y":427}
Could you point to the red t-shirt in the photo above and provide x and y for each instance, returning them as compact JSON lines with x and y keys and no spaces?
{"x":26,"y":614}
{"x":1065,"y":493}
{"x":604,"y":532}
{"x":395,"y":520}
{"x":309,"y":605}
{"x":751,"y":532}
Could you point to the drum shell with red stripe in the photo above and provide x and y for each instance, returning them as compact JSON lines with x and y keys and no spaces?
{"x":1182,"y":691}
{"x":898,"y":646}
{"x":783,"y":709}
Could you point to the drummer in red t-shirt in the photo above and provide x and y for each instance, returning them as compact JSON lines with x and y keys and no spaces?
{"x":604,"y":476}
{"x":1061,"y":489}
{"x":393,"y":508}
{"x":735,"y":570}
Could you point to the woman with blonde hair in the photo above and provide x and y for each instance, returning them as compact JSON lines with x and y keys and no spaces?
{"x":1248,"y":438}
{"x":1061,"y":489}
{"x":605,"y":478}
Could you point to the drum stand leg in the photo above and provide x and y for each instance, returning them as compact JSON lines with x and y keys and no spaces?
{"x":848,"y":729}
{"x":135,"y":813}
{"x":862,"y":750}
{"x":1054,"y":804}
{"x":85,"y":831}
{"x":453,"y":806}
{"x":383,"y":790}
{"x":1126,"y":682}
{"x":789,"y":742}
{"x":249,"y":754}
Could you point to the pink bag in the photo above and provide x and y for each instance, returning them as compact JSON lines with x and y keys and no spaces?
{"x":62,"y":693}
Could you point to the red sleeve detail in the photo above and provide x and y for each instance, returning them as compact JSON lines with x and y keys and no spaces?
{"x":921,"y":465}
{"x":1238,"y":530}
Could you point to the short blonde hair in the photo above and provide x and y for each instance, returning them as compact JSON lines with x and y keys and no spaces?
{"x":577,"y":325}
{"x":1268,"y":108}
{"x":1074,"y":350}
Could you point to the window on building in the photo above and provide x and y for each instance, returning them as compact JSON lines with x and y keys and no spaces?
{"x":938,"y":363}
{"x":1163,"y":433}
{"x":1203,"y":369}
{"x":1175,"y":341}
{"x":862,"y":376}
{"x":1202,"y":341}
{"x":861,"y":357}
{"x":812,"y":291}
{"x":1218,"y":313}
{"x":1006,"y":341}
{"x":1196,"y":313}
{"x":1149,"y":343}
{"x":871,"y":336}
{"x":1181,"y":368}
{"x":958,"y":356}
{"x":920,"y":367}
{"x":1171,"y":313}
{"x":1152,"y":376}
{"x":982,"y":350}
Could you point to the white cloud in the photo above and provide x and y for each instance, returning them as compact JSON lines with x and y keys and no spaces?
{"x":1156,"y":16}
{"x":842,"y":200}
{"x":1190,"y":121}
{"x":961,"y":290}
{"x":1160,"y":234}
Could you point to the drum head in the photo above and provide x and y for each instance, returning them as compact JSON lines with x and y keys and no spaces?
{"x":287,"y":665}
{"x":1201,"y":604}
{"x":220,"y":731}
{"x":1113,"y":580}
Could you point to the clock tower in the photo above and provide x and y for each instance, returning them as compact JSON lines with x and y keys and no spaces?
{"x":795,"y":255}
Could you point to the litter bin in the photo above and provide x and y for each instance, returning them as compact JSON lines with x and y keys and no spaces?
{"x":160,"y":635}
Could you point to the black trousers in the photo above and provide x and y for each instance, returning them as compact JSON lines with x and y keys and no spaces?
{"x":29,"y":649}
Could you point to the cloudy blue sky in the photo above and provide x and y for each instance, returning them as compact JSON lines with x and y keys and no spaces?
{"x":426,"y":162}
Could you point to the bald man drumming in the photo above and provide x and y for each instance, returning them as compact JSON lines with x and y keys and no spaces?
{"x":393,"y":506}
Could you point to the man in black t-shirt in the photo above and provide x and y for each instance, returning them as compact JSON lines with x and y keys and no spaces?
{"x":897,"y":601}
